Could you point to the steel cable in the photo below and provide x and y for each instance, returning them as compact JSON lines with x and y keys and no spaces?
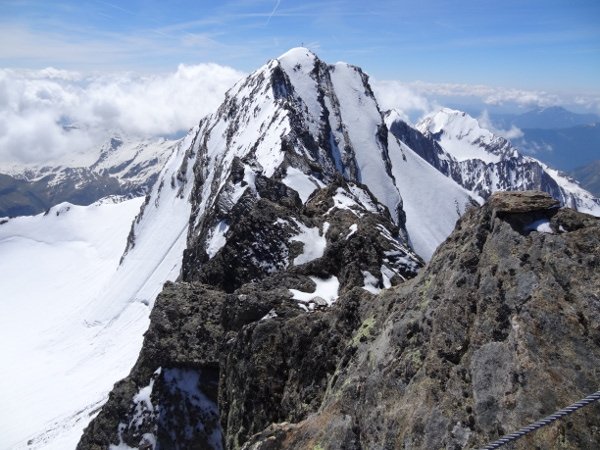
{"x":543,"y":422}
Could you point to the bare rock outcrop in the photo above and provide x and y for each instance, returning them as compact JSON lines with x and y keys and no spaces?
{"x":500,"y":329}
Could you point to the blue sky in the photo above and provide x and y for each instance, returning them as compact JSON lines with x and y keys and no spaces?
{"x":527,"y":44}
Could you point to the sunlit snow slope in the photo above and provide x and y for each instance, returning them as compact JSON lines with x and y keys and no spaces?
{"x":55,"y":362}
{"x":71,"y":317}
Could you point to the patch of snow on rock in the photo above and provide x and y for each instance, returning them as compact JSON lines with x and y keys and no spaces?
{"x":217,"y":238}
{"x":314,"y":242}
{"x":325,"y":289}
{"x":370,"y":282}
{"x":303,"y":184}
{"x":541,"y":226}
{"x":353,"y":229}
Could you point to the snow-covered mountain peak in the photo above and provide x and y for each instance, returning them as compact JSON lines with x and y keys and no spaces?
{"x":463,"y":136}
{"x":447,"y":119}
{"x":297,"y":111}
{"x":298,"y":57}
{"x":463,"y":149}
{"x":301,"y":122}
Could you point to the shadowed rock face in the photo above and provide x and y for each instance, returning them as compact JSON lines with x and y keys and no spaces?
{"x":500,"y":329}
{"x":262,"y":239}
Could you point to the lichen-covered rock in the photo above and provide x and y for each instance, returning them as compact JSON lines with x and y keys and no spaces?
{"x":522,"y":201}
{"x":501,"y":329}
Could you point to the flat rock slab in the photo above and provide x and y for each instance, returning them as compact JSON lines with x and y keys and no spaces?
{"x":522,"y":201}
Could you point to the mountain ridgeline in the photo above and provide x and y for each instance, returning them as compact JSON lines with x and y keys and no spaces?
{"x":122,"y":167}
{"x":303,"y":317}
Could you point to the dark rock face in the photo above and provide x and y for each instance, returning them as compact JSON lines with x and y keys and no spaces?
{"x":174,"y":381}
{"x":267,"y":235}
{"x":500,"y":329}
{"x":295,"y":360}
{"x":193,"y":367}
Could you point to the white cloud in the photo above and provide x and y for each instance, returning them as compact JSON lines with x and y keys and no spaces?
{"x":512,"y":133}
{"x":47,"y":114}
{"x":416,"y":98}
{"x":489,"y":95}
{"x":536,"y":148}
{"x":392,"y":94}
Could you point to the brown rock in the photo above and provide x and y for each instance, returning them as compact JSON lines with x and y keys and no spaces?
{"x":522,"y":201}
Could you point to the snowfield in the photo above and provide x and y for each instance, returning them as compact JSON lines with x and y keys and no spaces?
{"x":57,"y":359}
{"x":72,"y":313}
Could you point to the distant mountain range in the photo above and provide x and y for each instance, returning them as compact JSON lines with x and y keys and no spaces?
{"x":122,"y":166}
{"x":545,"y":118}
{"x":482,"y":162}
{"x":560,"y":138}
{"x":589,"y":177}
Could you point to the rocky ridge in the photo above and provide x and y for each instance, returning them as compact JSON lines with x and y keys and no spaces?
{"x":499,"y":330}
{"x":194,"y":323}
{"x":453,"y":358}
{"x":300,"y":220}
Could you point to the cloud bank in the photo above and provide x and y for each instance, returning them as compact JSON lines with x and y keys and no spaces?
{"x":47,"y":114}
{"x":392,"y":94}
{"x":418,"y":98}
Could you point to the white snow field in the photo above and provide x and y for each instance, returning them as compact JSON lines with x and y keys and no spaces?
{"x":55,"y":360}
{"x":71,"y":317}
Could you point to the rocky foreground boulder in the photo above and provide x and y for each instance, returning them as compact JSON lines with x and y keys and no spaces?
{"x":501,"y":328}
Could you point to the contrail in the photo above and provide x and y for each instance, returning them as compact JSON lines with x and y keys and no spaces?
{"x":274,"y":11}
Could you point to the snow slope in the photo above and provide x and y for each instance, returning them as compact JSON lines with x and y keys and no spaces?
{"x":432,"y":202}
{"x":58,"y":364}
{"x":73,"y":315}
